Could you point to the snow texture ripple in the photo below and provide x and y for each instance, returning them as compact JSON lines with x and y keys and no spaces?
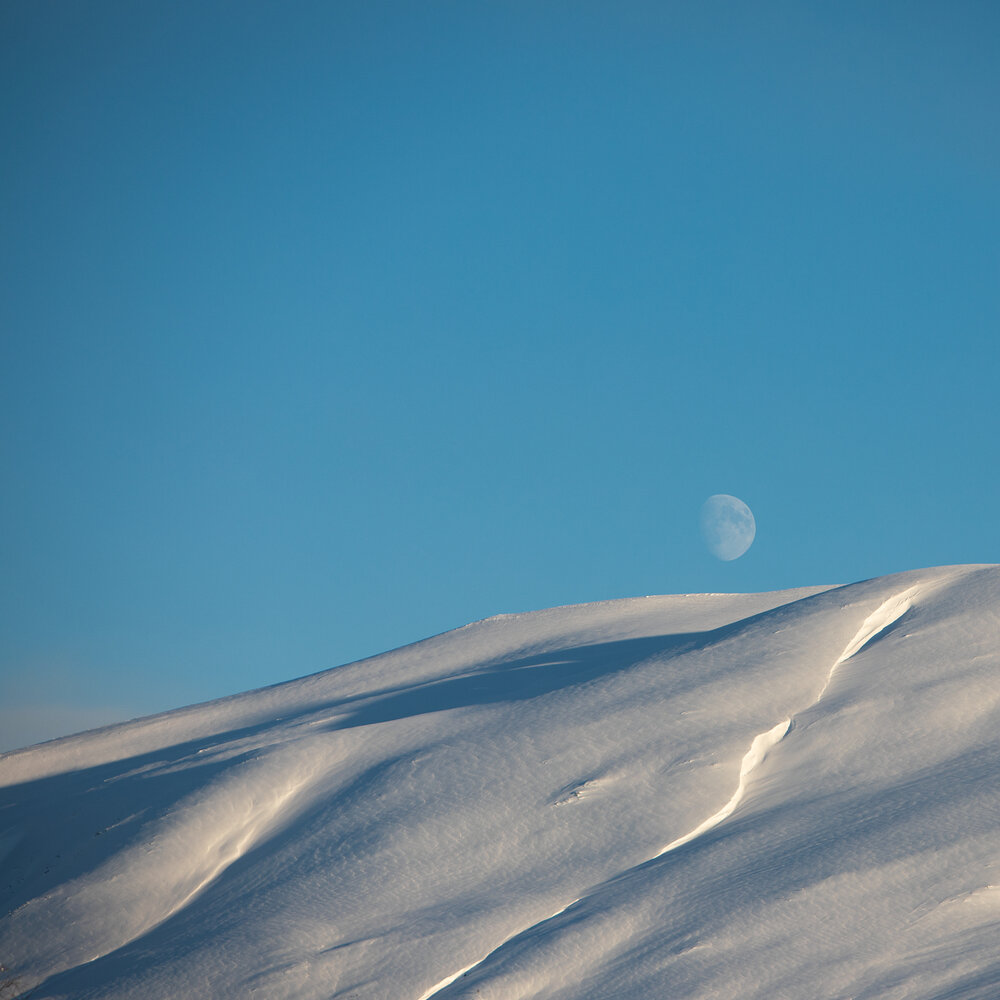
{"x":484,"y":813}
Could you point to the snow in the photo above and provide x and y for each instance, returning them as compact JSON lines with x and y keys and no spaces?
{"x":753,"y":758}
{"x":484,"y":813}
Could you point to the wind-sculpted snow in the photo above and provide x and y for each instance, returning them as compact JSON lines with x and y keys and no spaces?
{"x":484,"y":814}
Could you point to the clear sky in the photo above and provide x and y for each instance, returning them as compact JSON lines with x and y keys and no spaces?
{"x":329,"y":326}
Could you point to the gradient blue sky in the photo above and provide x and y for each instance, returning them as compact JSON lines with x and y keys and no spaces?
{"x":329,"y":326}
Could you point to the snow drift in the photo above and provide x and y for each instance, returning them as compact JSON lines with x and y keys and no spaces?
{"x":787,"y":795}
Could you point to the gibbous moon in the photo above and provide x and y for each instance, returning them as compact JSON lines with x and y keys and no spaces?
{"x":727,"y":525}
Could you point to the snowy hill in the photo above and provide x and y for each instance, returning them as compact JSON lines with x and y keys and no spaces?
{"x":787,"y":795}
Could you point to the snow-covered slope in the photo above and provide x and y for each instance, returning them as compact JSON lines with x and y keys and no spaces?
{"x":788,"y":795}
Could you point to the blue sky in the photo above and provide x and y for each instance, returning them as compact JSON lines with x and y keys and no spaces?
{"x":329,"y":326}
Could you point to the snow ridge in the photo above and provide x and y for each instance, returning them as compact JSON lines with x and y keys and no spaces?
{"x":889,"y":612}
{"x":752,"y":759}
{"x":448,"y":980}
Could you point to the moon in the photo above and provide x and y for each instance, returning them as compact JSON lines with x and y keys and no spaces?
{"x":727,"y":525}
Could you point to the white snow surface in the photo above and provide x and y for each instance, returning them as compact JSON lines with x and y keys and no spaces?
{"x":785,"y":795}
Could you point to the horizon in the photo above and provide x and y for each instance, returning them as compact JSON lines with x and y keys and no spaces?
{"x":328,"y":329}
